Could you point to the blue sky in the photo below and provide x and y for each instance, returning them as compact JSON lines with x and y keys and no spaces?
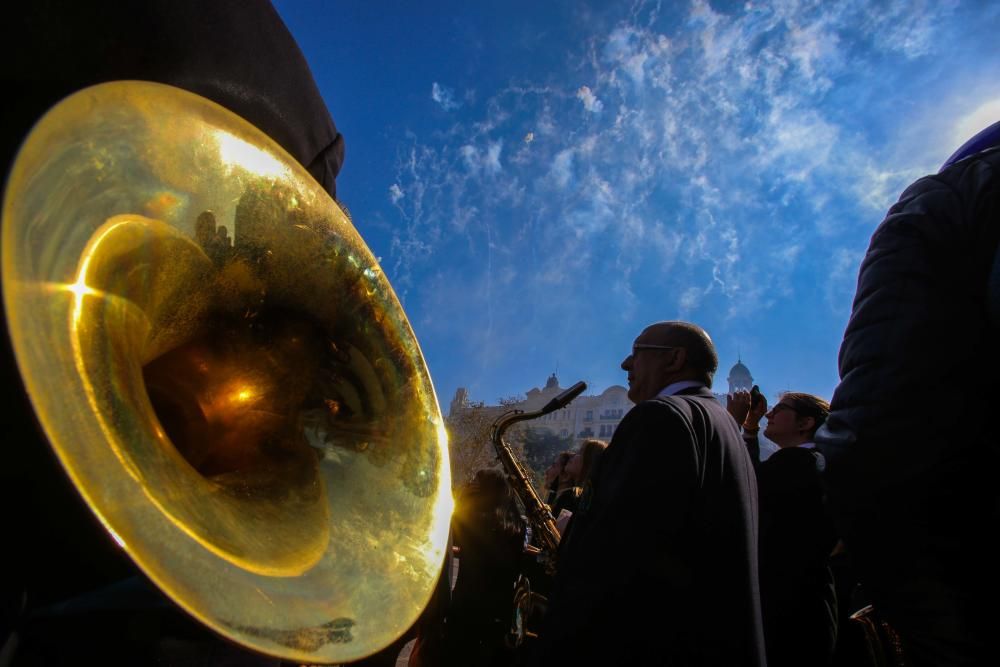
{"x":543,"y":179}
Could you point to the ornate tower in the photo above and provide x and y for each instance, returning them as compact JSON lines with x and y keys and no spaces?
{"x":460,"y":401}
{"x":739,"y":377}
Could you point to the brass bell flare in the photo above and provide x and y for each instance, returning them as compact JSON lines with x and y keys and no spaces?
{"x":225,"y":373}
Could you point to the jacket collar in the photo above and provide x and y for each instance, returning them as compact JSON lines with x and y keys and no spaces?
{"x":682,"y":387}
{"x":700,"y":390}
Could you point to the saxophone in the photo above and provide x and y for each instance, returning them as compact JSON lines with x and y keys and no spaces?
{"x":529,"y":605}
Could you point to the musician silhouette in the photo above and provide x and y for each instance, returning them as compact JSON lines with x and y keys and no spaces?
{"x":489,"y":533}
{"x":659,"y":564}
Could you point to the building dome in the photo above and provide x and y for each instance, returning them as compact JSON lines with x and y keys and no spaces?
{"x":739,"y":377}
{"x":552,"y":382}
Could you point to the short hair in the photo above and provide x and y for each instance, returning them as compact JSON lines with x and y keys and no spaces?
{"x":701,"y":355}
{"x":808,"y":405}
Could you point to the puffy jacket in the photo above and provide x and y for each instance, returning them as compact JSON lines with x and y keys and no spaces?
{"x":919,"y":360}
{"x":912,"y":444}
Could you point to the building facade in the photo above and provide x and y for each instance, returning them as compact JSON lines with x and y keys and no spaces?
{"x":589,"y":415}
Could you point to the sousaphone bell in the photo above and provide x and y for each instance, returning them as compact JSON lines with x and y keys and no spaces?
{"x":225,"y":373}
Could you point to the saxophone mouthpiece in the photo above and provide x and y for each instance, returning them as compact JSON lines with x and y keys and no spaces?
{"x":563,"y":399}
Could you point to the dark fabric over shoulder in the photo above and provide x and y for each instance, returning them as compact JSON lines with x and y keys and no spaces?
{"x":919,"y":323}
{"x":237,"y":53}
{"x":911,"y":444}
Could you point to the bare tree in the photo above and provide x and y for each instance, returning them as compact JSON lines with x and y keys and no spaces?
{"x":469,"y":438}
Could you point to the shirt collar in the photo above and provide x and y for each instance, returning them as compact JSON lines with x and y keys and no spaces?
{"x":677,"y":387}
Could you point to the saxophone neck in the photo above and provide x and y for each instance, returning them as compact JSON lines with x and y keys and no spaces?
{"x":508,"y":419}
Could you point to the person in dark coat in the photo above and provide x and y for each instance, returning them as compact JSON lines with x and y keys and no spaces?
{"x":489,"y":533}
{"x":911,"y":445}
{"x":797,"y":536}
{"x":659,"y":563}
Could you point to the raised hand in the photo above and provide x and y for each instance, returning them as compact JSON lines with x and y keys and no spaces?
{"x":738,"y":405}
{"x":758,"y":408}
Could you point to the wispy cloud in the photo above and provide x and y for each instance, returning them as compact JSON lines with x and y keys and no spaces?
{"x":445,"y":97}
{"x":727,"y":151}
{"x":395,"y":193}
{"x":970,"y":124}
{"x":562,"y":167}
{"x":590,"y":101}
{"x":843,"y":268}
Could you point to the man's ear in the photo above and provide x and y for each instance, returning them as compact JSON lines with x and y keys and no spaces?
{"x":807,"y":424}
{"x":679,"y":361}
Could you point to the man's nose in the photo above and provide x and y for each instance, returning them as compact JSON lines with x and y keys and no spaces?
{"x":626,"y":362}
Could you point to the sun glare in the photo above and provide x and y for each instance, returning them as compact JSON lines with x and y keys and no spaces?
{"x":80,"y":288}
{"x":982,"y":117}
{"x":236,"y":152}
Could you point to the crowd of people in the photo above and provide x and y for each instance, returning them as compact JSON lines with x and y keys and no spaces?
{"x":743,"y":560}
{"x":864,"y":540}
{"x":751,"y":562}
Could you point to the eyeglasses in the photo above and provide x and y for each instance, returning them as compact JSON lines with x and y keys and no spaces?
{"x":637,"y":347}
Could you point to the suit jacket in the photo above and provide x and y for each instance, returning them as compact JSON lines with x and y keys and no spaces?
{"x":659,"y":564}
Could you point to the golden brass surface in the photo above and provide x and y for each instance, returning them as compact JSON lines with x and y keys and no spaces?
{"x":225,"y":373}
